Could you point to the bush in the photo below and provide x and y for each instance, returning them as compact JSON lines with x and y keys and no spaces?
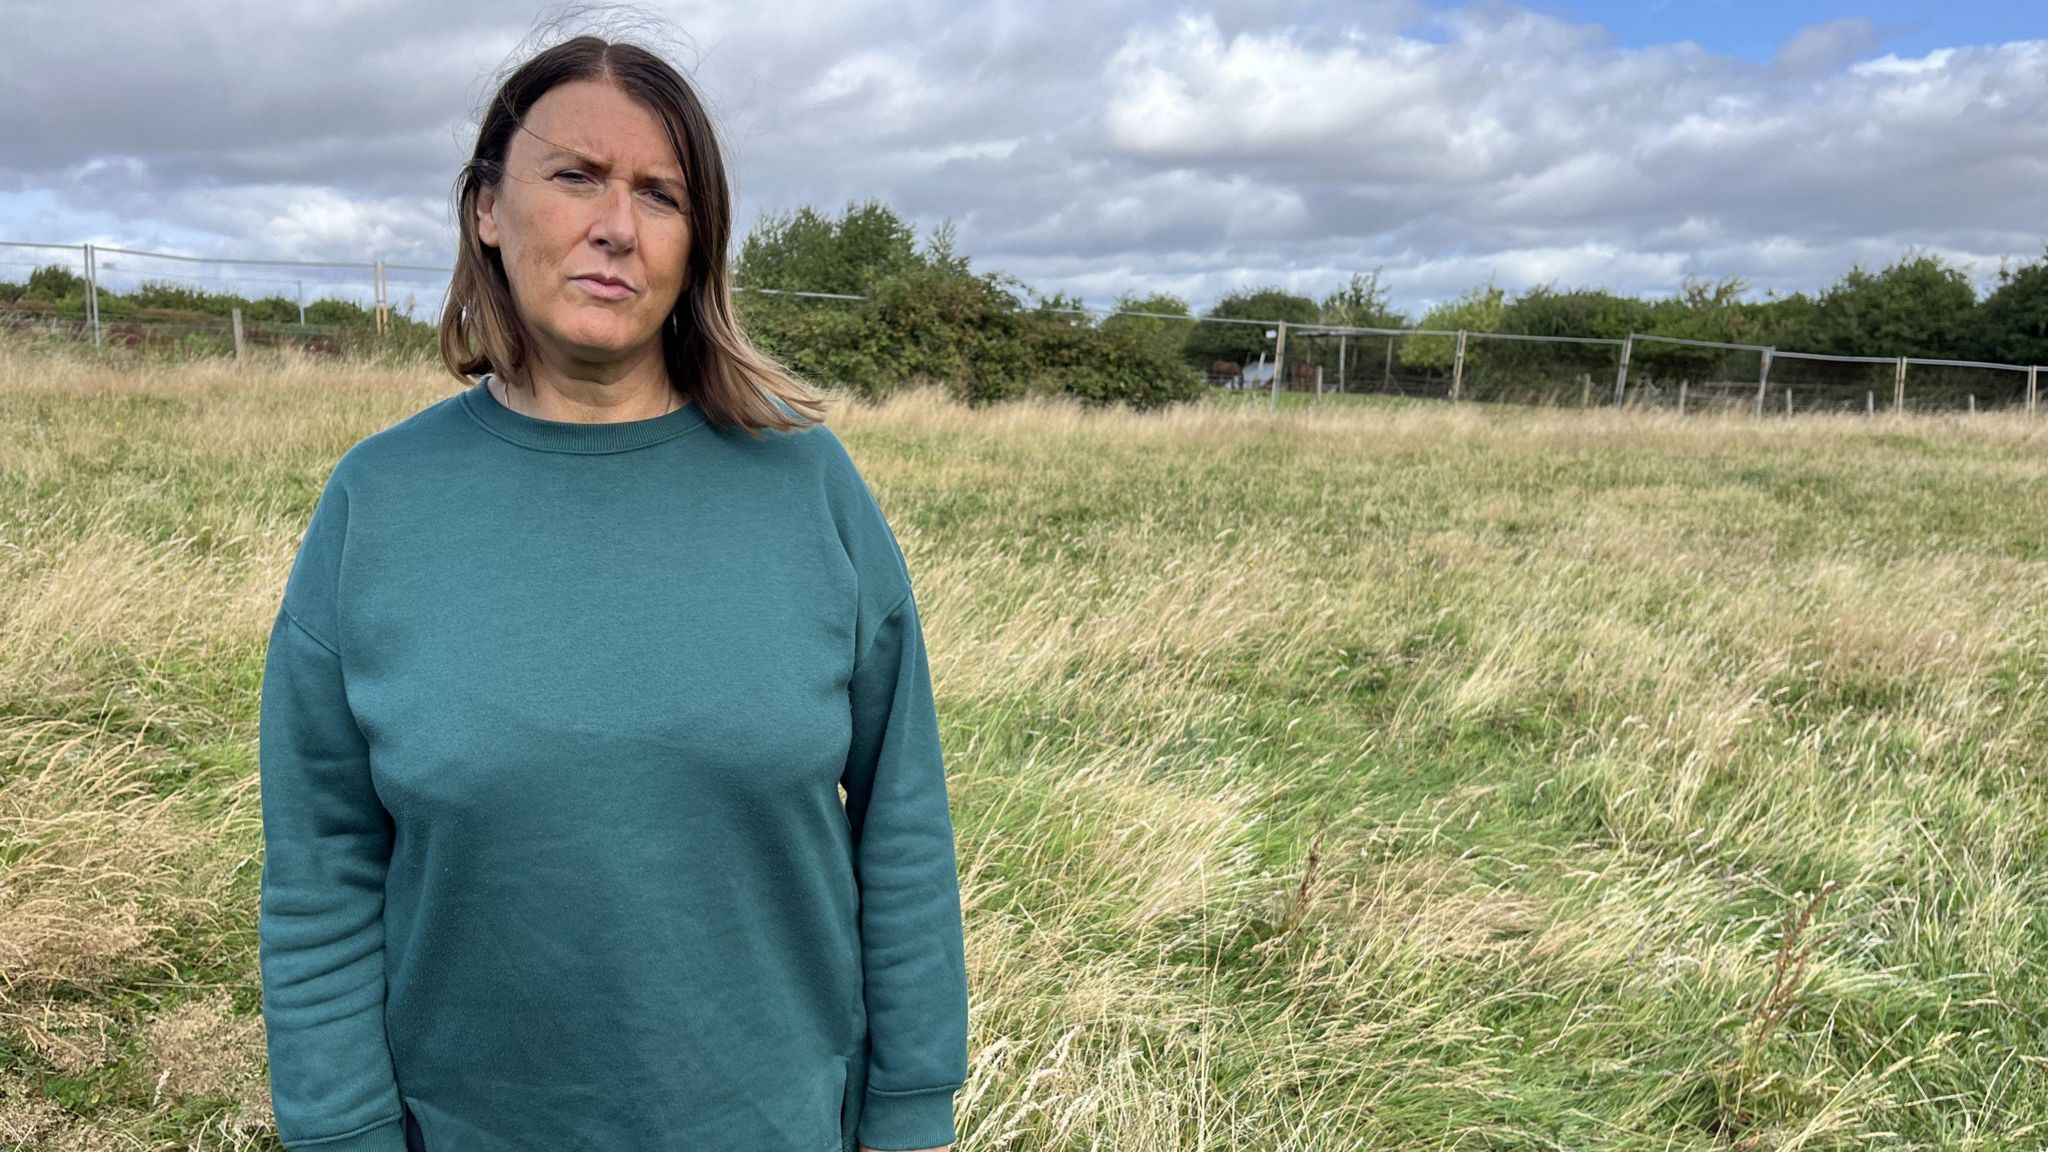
{"x":970,"y":333}
{"x":54,"y":282}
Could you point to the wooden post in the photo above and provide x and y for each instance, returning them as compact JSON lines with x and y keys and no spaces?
{"x":1319,"y":381}
{"x":1763,"y":382}
{"x":1788,"y":401}
{"x":1899,"y":388}
{"x":1973,"y":403}
{"x":1870,"y":403}
{"x":1585,"y":389}
{"x":1340,"y":361}
{"x":2033,"y":387}
{"x":237,"y":314}
{"x":1387,"y":383}
{"x":1621,"y":378}
{"x":1458,"y":367}
{"x":1681,"y":395}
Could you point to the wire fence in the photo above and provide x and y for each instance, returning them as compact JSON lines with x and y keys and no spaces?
{"x":1639,"y":370}
{"x":135,"y":297}
{"x":132,"y":296}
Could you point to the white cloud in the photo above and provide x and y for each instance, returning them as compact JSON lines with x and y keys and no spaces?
{"x":1090,"y":148}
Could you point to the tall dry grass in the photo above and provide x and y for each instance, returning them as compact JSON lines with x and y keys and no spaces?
{"x":1354,"y":776}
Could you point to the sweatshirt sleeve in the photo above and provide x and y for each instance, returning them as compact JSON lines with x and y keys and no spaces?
{"x":912,"y":946}
{"x":326,"y":846}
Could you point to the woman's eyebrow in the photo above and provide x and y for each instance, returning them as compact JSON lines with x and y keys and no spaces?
{"x":601,"y":166}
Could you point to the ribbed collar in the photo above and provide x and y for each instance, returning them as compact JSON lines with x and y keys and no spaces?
{"x":566,"y":436}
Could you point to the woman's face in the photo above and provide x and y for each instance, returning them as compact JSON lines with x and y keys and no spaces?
{"x":591,"y":189}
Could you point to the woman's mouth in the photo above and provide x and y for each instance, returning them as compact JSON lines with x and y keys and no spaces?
{"x":604,"y":289}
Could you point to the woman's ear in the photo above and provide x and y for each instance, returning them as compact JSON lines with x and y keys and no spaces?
{"x":486,"y":221}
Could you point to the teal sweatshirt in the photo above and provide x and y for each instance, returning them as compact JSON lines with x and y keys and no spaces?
{"x":555,"y":723}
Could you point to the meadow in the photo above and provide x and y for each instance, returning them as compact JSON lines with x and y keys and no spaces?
{"x":1357,"y":775}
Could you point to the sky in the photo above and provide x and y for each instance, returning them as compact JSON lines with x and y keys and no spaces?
{"x":1098,"y":147}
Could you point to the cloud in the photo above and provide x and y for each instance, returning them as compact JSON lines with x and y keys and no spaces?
{"x":1091,"y":148}
{"x":1822,"y":48}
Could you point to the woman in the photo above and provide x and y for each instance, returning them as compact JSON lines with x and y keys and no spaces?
{"x":569,"y":674}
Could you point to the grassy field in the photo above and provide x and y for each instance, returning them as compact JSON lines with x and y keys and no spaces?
{"x":1357,"y":776}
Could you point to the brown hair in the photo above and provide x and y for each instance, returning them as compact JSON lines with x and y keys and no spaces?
{"x":708,"y":355}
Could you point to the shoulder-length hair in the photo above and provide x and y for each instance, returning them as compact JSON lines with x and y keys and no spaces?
{"x":709,"y":357}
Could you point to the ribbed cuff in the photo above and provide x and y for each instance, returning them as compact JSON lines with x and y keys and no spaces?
{"x":386,"y":1137}
{"x":893,"y":1121}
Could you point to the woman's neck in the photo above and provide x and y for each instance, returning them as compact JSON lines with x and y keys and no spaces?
{"x":635,"y":392}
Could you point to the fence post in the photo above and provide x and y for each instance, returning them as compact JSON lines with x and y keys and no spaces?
{"x":1387,"y":383}
{"x":1899,"y":388}
{"x":1279,"y":362}
{"x":2033,"y":387}
{"x":1319,"y":381}
{"x":1458,"y":367}
{"x":1763,"y":381}
{"x":1340,"y":361}
{"x":236,"y":313}
{"x":1621,"y":378}
{"x":1681,"y":395}
{"x":92,"y":292}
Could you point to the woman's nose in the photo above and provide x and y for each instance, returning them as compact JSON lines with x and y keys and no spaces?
{"x":615,"y":223}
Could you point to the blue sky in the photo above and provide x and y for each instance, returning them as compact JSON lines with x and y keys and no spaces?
{"x":1753,"y":29}
{"x":1098,"y":147}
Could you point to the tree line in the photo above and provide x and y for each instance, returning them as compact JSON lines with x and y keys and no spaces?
{"x":926,"y":315}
